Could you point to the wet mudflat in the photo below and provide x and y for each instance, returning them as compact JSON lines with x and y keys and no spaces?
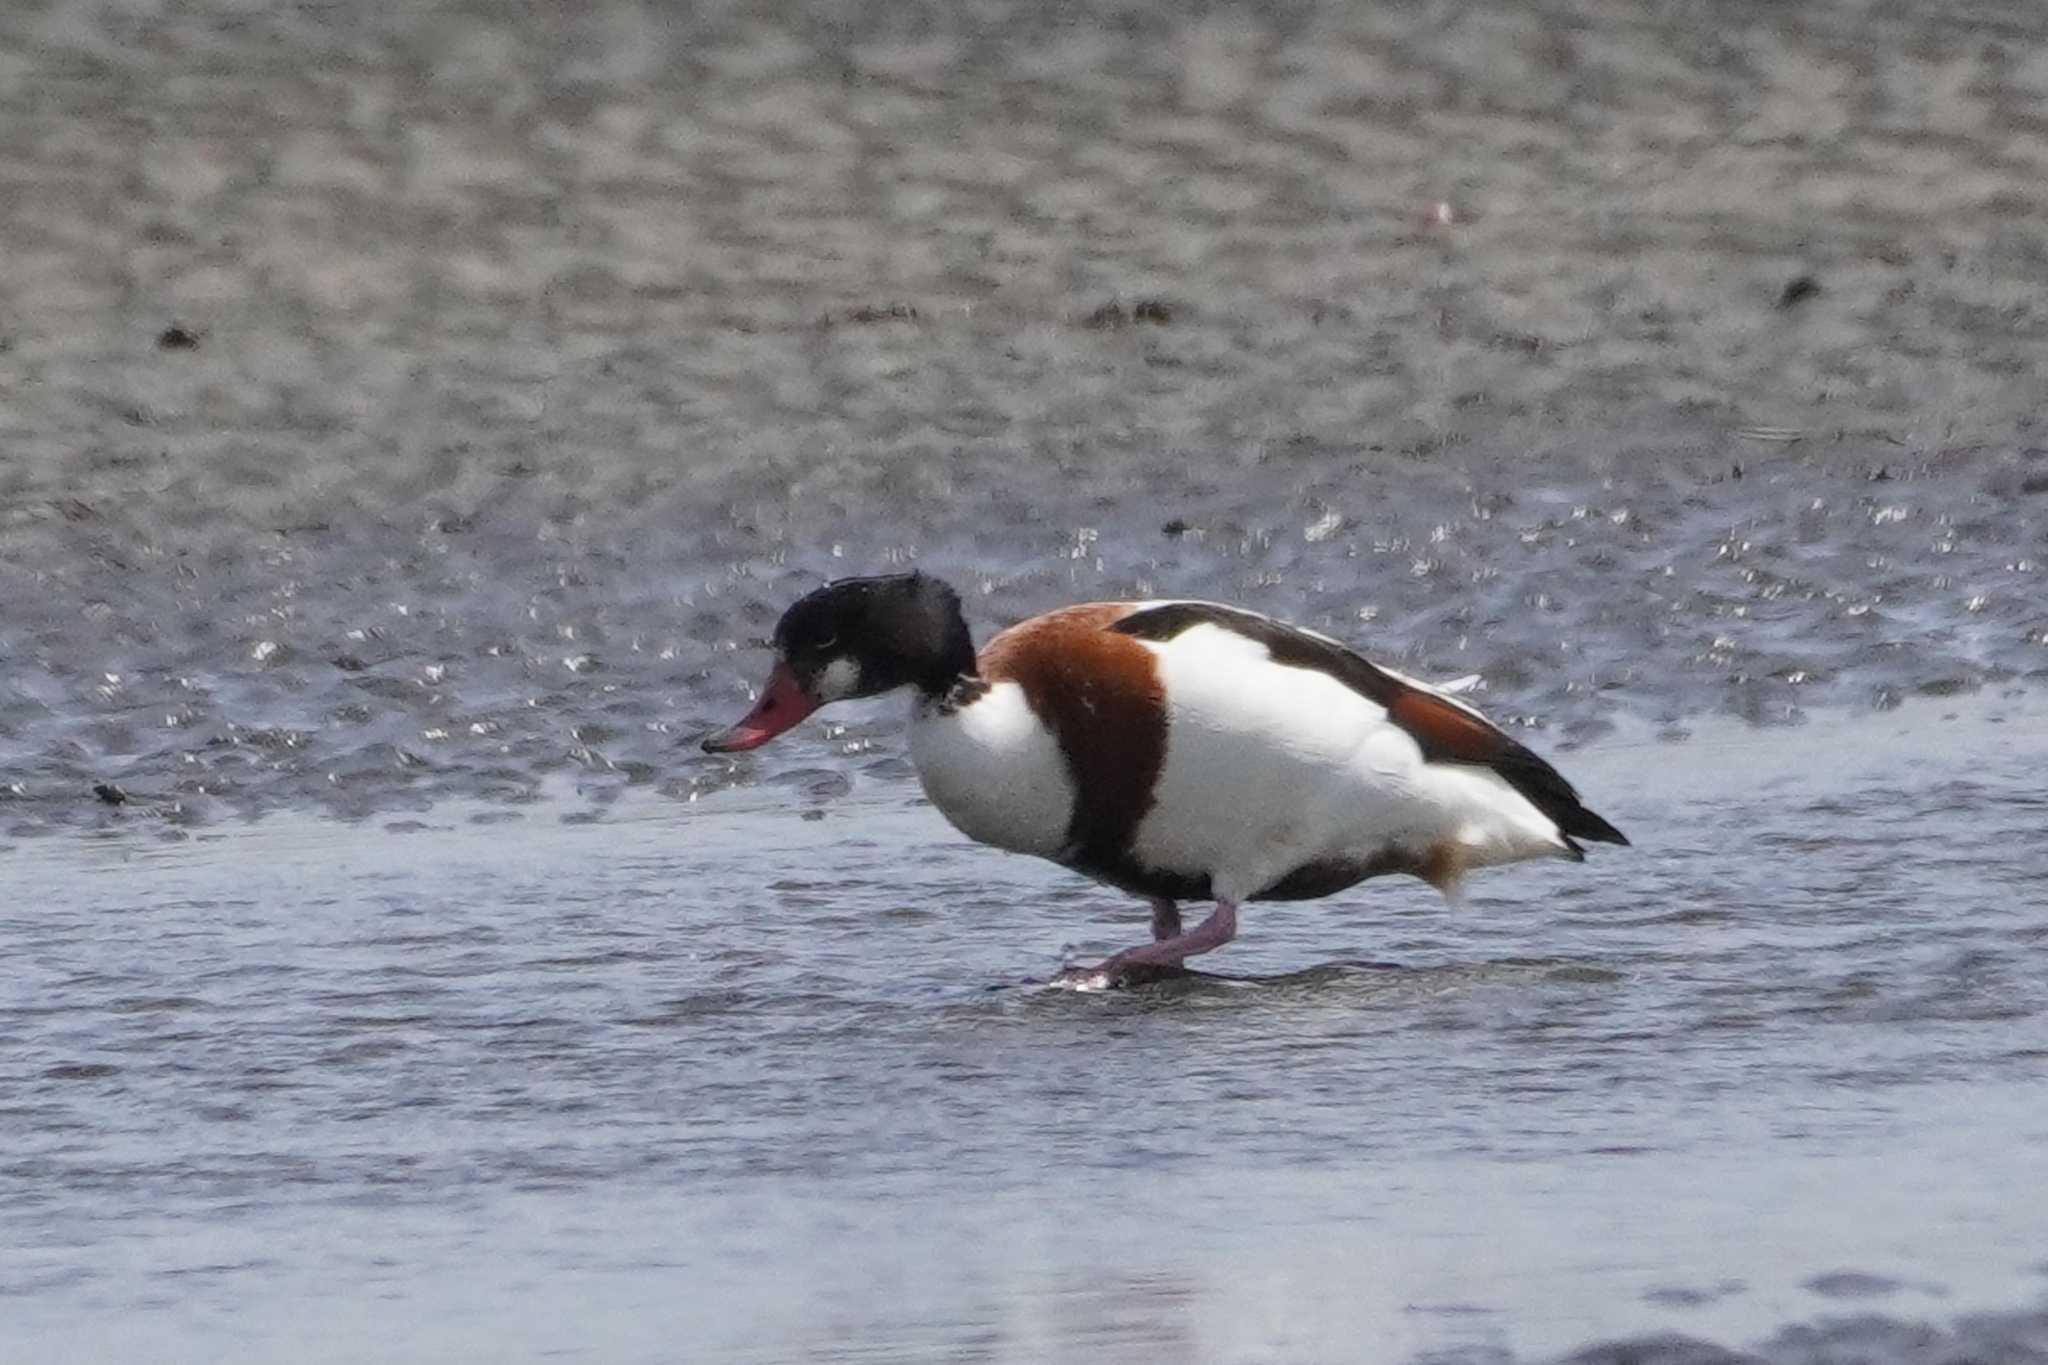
{"x":413,"y":420}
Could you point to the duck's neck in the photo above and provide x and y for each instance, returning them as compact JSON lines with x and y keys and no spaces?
{"x":953,"y":661}
{"x":919,"y":636}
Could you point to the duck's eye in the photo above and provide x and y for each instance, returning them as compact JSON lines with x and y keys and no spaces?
{"x":828,"y":644}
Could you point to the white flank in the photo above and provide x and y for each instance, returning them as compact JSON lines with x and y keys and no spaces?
{"x":995,"y":771}
{"x":1269,"y":768}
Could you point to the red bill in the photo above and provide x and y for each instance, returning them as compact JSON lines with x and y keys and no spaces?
{"x":783,"y":703}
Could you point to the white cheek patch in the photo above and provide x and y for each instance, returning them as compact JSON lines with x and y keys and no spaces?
{"x":841,"y":678}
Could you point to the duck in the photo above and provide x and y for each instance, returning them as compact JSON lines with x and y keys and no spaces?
{"x":1177,"y":750}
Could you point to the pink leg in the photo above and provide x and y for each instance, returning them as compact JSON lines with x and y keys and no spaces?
{"x":1213,"y":932}
{"x":1165,"y":921}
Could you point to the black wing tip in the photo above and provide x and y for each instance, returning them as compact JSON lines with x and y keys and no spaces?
{"x":1546,"y":789}
{"x":1587,"y":825}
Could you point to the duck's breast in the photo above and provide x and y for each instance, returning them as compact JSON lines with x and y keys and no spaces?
{"x":993,"y":769}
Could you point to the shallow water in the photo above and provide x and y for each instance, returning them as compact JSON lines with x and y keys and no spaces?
{"x":756,"y":1086}
{"x":414,"y":418}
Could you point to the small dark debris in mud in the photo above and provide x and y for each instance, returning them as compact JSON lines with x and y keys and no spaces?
{"x":177,"y":337}
{"x":348,"y":663}
{"x":1158,"y":312}
{"x":1175,"y":529}
{"x":870,"y":313}
{"x":1798,"y":291}
{"x":2034,"y":483}
{"x":110,"y":794}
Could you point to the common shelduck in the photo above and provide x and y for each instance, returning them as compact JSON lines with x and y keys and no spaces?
{"x":1177,"y":750}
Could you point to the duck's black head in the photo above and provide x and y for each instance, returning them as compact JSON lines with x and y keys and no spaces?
{"x":857,"y":637}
